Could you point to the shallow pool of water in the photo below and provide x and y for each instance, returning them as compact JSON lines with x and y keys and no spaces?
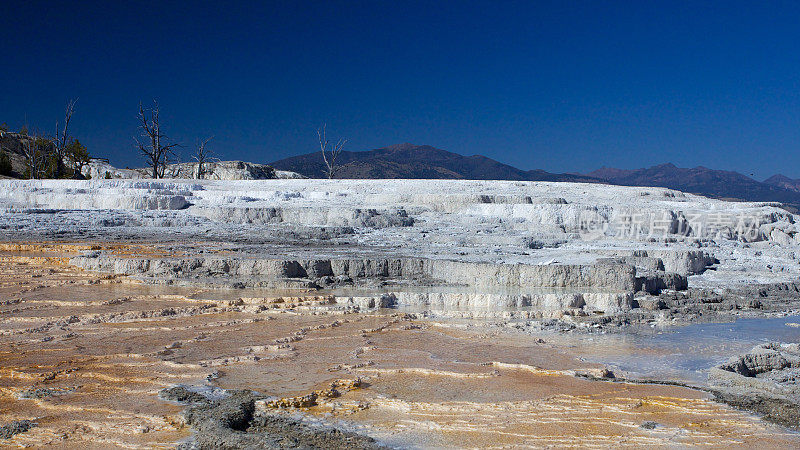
{"x":685,"y":353}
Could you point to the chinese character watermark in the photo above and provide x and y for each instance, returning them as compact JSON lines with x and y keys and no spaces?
{"x":657,"y":225}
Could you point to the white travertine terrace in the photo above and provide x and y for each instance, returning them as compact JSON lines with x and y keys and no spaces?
{"x":519,"y":236}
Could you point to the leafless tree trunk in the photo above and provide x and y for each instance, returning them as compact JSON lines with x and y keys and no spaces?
{"x":153,"y":144}
{"x":202,"y":156}
{"x":36,"y":151}
{"x":163,"y":172}
{"x":61,"y":140}
{"x":32,"y":155}
{"x":329,"y":152}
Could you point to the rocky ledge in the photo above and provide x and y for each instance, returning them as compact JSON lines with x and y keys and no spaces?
{"x":764,"y":380}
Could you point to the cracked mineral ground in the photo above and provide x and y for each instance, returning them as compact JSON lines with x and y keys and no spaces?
{"x":392,"y":314}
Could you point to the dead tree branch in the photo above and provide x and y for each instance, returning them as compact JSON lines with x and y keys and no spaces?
{"x":202,"y":156}
{"x":329,"y":152}
{"x":153,"y":142}
{"x":61,"y":140}
{"x":36,"y":151}
{"x":32,"y":156}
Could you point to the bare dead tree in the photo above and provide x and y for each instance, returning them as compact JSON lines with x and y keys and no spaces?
{"x":35,"y":154}
{"x":153,"y":142}
{"x":29,"y":150}
{"x":202,"y":156}
{"x":167,"y":171}
{"x":329,"y":152}
{"x":61,"y":140}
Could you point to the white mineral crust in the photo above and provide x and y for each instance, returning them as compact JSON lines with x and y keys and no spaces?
{"x":499,"y":231}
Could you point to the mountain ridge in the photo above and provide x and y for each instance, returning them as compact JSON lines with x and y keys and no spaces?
{"x":419,"y":162}
{"x":784,"y":182}
{"x":426,"y":162}
{"x":700,"y":180}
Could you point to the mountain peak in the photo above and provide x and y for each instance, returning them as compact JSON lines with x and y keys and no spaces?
{"x":403,"y":146}
{"x":413,"y":161}
{"x":778,"y":178}
{"x":704,"y":181}
{"x":783,"y":182}
{"x":668,"y":165}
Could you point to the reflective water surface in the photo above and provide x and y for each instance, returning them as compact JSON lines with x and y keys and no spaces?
{"x":687,"y":352}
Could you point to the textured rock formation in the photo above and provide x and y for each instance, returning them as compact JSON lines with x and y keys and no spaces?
{"x":764,"y":360}
{"x":98,"y":169}
{"x":764,"y":380}
{"x":221,"y":170}
{"x":521,"y":245}
{"x":12,"y":144}
{"x":216,"y":170}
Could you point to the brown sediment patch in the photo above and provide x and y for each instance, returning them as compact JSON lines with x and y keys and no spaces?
{"x":72,"y":249}
{"x":53,"y":247}
{"x":574,"y":420}
{"x":80,"y":388}
{"x":91,"y":357}
{"x":523,"y":407}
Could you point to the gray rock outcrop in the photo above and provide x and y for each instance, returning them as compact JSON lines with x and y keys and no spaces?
{"x":769,"y":370}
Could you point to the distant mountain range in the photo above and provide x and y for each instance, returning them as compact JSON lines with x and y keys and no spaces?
{"x":426,"y":162}
{"x":784,"y":182}
{"x":705,"y":181}
{"x":418,"y":161}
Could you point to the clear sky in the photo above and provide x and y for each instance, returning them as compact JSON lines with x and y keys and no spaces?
{"x":562,"y":85}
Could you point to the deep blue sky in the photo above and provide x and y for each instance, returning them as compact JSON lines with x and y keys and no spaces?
{"x":562,"y":85}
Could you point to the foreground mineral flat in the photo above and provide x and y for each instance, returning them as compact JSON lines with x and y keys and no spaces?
{"x":86,"y":355}
{"x":377,"y":313}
